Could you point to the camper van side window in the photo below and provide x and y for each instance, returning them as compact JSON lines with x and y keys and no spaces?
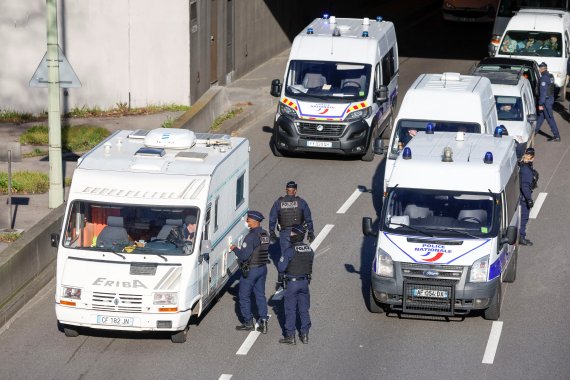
{"x":216,"y":202}
{"x":207,"y":222}
{"x":239,"y":190}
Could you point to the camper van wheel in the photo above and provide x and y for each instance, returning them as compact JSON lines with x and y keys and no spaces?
{"x":70,"y":332}
{"x":493,"y":312}
{"x":180,"y":336}
{"x":511,"y":274}
{"x":374,"y":306}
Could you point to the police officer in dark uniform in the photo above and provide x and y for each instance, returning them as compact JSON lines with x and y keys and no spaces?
{"x":295,"y":268}
{"x":253,"y":258}
{"x":290,"y":210}
{"x":529,"y":178}
{"x":545,"y":103}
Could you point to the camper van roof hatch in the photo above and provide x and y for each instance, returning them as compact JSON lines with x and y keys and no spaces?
{"x":450,"y":76}
{"x":191,"y":156}
{"x":139,"y":134}
{"x":150,"y":152}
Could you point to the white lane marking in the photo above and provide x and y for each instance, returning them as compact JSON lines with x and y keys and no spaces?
{"x":321,"y":236}
{"x":556,"y":168}
{"x":248,"y":343}
{"x":493,"y":342}
{"x":225,"y":376}
{"x":349,"y":201}
{"x":537,"y":205}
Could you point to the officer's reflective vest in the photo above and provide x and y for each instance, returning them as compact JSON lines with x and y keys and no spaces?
{"x":302,"y":262}
{"x":290,"y":212}
{"x":260,"y":255}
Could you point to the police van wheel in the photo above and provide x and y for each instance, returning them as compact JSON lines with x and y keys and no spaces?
{"x":375,"y":307}
{"x":369,"y":155}
{"x":70,"y":332}
{"x":276,"y":152}
{"x":493,"y":312}
{"x":511,"y":274}
{"x":179,"y":336}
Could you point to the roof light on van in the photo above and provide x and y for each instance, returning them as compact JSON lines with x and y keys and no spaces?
{"x":365,"y":21}
{"x":379,"y":19}
{"x":498,"y":131}
{"x":447,"y":155}
{"x":364,"y":33}
{"x":325,"y":16}
{"x":310,"y":31}
{"x":430,"y":128}
{"x":407,"y":153}
{"x":332,"y":20}
{"x":488,"y":159}
{"x":336,"y":32}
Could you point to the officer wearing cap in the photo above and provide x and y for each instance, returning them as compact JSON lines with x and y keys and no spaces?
{"x":253,"y":258}
{"x":288,"y":211}
{"x":295,"y":268}
{"x":546,"y":102}
{"x":529,"y":178}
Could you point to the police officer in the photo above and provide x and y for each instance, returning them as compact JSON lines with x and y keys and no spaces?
{"x":295,"y":267}
{"x":289,"y":210}
{"x":545,"y":103}
{"x":529,"y":177}
{"x":253,"y":257}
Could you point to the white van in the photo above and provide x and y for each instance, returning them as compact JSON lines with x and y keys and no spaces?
{"x":147,"y":229}
{"x":448,"y":227}
{"x":449,"y":102}
{"x":340,"y":88}
{"x":541,"y":35}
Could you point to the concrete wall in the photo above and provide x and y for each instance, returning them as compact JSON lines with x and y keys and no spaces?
{"x":28,"y":264}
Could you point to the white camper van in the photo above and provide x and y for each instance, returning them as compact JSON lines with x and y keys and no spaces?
{"x":448,"y":102}
{"x":542,"y":35}
{"x":448,"y":227}
{"x":339,"y":89}
{"x":146,"y":235}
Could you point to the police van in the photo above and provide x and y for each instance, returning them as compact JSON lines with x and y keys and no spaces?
{"x":339,"y":89}
{"x":447,"y":102}
{"x":448,"y":228}
{"x":147,"y":229}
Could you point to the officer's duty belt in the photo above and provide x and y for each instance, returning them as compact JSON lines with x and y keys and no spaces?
{"x":295,"y":278}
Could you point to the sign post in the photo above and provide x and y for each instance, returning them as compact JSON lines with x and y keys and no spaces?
{"x":10,"y":152}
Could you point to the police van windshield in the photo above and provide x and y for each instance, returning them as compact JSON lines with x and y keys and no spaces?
{"x":507,"y":8}
{"x":440,"y":213}
{"x":509,"y":108}
{"x":327,"y":80}
{"x":407,"y":129}
{"x":131,"y":229}
{"x":533,"y":44}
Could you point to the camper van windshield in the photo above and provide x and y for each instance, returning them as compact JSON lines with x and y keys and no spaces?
{"x":507,"y":8}
{"x":509,"y":108}
{"x":131,"y":229}
{"x":533,"y":44}
{"x":440,"y":213}
{"x":406,"y":129}
{"x":327,"y":80}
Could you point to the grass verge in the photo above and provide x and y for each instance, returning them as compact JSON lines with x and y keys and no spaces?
{"x":227,"y":116}
{"x":74,"y":139}
{"x":9,"y":237}
{"x":26,"y":182}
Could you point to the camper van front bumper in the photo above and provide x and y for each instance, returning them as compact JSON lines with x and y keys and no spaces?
{"x":107,"y":320}
{"x":432,"y":296}
{"x":321,"y":136}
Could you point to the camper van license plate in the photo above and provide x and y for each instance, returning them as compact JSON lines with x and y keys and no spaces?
{"x":114,"y":321}
{"x":429,"y":293}
{"x":320,"y":144}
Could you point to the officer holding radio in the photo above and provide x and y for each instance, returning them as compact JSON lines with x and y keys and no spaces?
{"x":253,"y":258}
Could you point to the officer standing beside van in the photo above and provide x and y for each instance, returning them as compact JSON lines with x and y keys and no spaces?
{"x":546,"y":101}
{"x":253,"y":258}
{"x":529,"y":178}
{"x":295,"y":268}
{"x":288,"y":211}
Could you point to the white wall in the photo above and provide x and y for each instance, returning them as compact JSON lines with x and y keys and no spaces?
{"x":116,"y":47}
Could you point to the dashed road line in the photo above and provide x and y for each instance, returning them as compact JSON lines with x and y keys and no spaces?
{"x":493,"y":342}
{"x":225,"y":376}
{"x":537,"y":205}
{"x":349,"y":201}
{"x":248,"y":343}
{"x":321,"y":236}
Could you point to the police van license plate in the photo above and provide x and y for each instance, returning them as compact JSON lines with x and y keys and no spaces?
{"x":319,"y":144}
{"x":114,"y":321}
{"x":430,"y":293}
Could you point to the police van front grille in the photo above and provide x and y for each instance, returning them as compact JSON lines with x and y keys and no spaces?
{"x":435,"y":273}
{"x":312,"y":129}
{"x":429,"y":297}
{"x":131,"y":303}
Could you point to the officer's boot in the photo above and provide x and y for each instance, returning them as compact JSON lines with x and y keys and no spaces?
{"x":246,"y":326}
{"x":262,"y":326}
{"x":524,"y":241}
{"x":288,"y":340}
{"x":304,"y":338}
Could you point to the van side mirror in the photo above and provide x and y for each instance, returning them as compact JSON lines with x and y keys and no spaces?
{"x":367,"y":227}
{"x":379,"y":145}
{"x":205,"y":249}
{"x":510,"y":236}
{"x":381,"y":93}
{"x":531,"y":117}
{"x":54,"y":238}
{"x":275,"y":88}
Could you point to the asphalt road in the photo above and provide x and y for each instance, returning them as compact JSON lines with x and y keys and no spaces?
{"x":347,"y":342}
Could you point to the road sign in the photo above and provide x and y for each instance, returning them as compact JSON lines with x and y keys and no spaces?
{"x":67,"y":77}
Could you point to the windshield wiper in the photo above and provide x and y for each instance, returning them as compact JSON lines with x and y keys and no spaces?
{"x":412,"y":228}
{"x":162,"y":257}
{"x":449,"y":229}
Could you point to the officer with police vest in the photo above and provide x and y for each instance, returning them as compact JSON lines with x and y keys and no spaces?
{"x":253,"y":258}
{"x":529,"y":179}
{"x":295,"y":268}
{"x":288,"y":211}
{"x":546,"y":102}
